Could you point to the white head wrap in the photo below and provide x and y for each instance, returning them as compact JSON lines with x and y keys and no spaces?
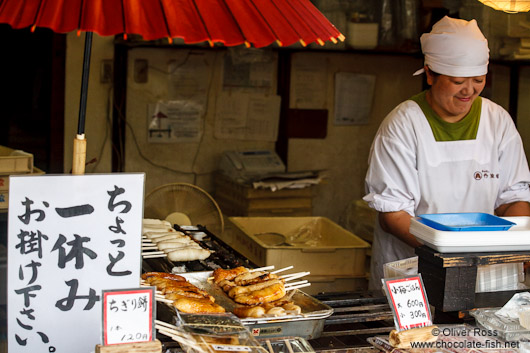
{"x":455,"y":48}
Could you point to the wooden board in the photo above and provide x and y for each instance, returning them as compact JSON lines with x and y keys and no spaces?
{"x":140,"y":347}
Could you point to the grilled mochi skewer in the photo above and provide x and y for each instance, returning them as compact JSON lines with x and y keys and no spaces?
{"x":220,"y":274}
{"x":178,"y":246}
{"x":250,"y":288}
{"x":186,"y":297}
{"x":276,"y":308}
{"x":272,"y":292}
{"x":156,"y":225}
{"x":240,"y":276}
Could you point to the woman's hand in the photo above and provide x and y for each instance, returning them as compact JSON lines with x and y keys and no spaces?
{"x":398,"y":224}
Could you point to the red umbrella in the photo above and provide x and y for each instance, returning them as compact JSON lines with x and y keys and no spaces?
{"x":229,"y":22}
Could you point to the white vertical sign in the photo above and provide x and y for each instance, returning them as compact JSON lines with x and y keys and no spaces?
{"x":69,"y":237}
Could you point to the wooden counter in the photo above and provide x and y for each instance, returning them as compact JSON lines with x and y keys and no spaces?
{"x":450,"y":279}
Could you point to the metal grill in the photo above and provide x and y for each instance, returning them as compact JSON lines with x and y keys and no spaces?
{"x":357,"y":315}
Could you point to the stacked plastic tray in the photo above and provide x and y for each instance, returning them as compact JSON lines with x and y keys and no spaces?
{"x":482,"y":234}
{"x":506,"y":328}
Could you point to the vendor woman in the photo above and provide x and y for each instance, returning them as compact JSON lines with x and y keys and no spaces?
{"x":446,"y":149}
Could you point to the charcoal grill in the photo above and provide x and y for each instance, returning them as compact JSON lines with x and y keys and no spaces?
{"x":357,"y":315}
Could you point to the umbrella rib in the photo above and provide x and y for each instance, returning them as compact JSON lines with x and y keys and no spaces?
{"x":268,"y":25}
{"x":124,"y":19}
{"x":247,"y":43}
{"x":79,"y":20}
{"x":319,"y":40}
{"x":302,"y":41}
{"x":169,"y":35}
{"x":319,"y":22}
{"x":203,"y":23}
{"x":38,"y":15}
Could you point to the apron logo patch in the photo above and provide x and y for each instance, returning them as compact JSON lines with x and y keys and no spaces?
{"x":485,"y":174}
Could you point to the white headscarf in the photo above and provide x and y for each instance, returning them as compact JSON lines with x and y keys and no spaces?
{"x":455,"y":48}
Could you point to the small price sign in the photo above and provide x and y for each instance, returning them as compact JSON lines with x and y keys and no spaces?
{"x":128,"y":315}
{"x":408,"y":302}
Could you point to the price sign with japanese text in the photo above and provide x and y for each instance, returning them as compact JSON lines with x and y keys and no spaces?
{"x":69,"y":238}
{"x":408,"y":302}
{"x":128,"y":315}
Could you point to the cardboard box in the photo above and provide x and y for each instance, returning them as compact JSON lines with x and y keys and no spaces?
{"x":15,"y":161}
{"x":328,"y":250}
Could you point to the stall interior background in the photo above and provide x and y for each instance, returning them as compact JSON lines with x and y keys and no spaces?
{"x":236,"y":100}
{"x":239,"y":99}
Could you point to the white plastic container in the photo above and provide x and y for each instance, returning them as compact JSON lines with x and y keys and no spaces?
{"x":514,"y":239}
{"x":401,"y":268}
{"x":500,"y":277}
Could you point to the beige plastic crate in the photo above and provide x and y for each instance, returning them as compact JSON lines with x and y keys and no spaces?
{"x":4,"y":179}
{"x":15,"y":161}
{"x":330,"y":250}
{"x":4,"y":187}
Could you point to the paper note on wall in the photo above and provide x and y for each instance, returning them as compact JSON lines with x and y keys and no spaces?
{"x":242,"y":116}
{"x":174,"y":121}
{"x":354,"y":94}
{"x":249,"y":74}
{"x":189,"y":78}
{"x":69,"y":238}
{"x":308,"y":83}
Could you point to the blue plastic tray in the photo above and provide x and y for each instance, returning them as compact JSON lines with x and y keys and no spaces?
{"x":459,"y":222}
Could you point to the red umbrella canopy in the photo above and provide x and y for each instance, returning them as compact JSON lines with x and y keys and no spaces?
{"x":230,"y":22}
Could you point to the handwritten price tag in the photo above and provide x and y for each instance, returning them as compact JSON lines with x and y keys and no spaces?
{"x":409,"y":302}
{"x":128,"y":315}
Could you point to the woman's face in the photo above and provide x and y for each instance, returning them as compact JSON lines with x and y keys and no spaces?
{"x":451,"y":97}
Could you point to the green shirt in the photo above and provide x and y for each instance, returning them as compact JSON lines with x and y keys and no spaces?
{"x":465,"y":129}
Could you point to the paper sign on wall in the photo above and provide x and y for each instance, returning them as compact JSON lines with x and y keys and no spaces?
{"x":354,"y":94}
{"x":247,"y":117}
{"x":69,"y":238}
{"x":128,"y":315}
{"x":408,"y":302}
{"x":174,"y":121}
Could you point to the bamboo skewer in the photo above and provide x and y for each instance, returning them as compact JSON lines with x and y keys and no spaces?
{"x":262,"y":268}
{"x":282,"y":269}
{"x":292,"y":276}
{"x":153,"y":256}
{"x":153,"y":252}
{"x":295,"y":283}
{"x":269,"y":346}
{"x":166,"y":324}
{"x":300,"y":286}
{"x":289,"y":347}
{"x":164,"y":300}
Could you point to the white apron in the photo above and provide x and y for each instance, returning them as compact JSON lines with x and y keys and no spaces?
{"x":439,"y":177}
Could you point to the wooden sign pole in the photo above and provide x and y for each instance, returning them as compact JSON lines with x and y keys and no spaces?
{"x":78,"y":164}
